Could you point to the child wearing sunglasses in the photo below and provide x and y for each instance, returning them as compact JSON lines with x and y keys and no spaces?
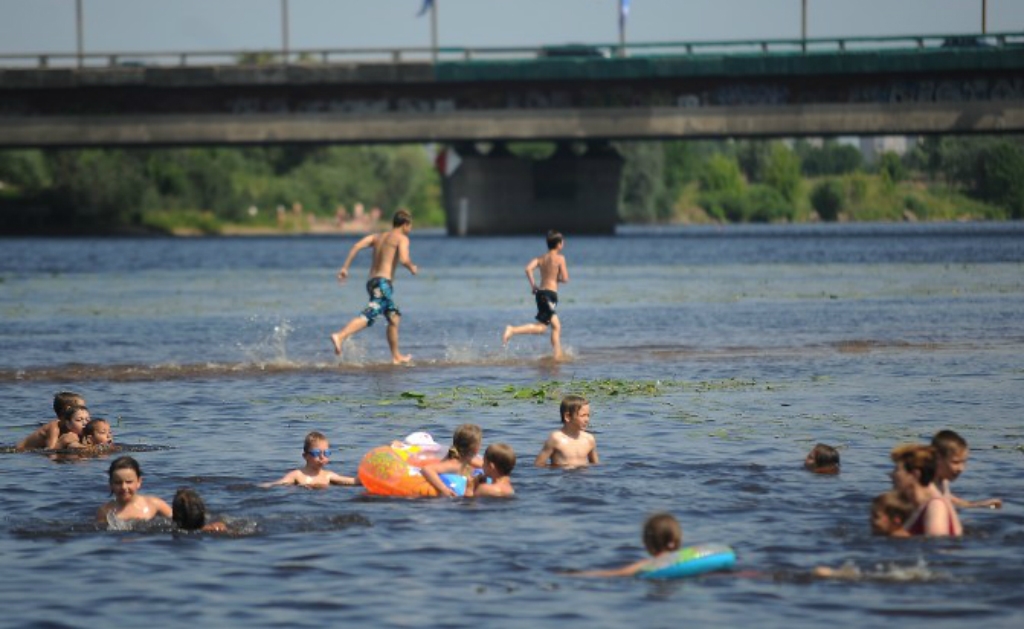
{"x":317,"y":452}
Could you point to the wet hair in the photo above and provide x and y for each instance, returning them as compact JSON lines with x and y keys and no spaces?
{"x":466,"y":439}
{"x":919,"y":458}
{"x":124,"y":463}
{"x":188,"y":510}
{"x":65,"y":399}
{"x":823,"y":459}
{"x":892,"y":505}
{"x":69,"y":412}
{"x":948,"y":443}
{"x":90,"y":428}
{"x":571,"y":404}
{"x":312,"y":438}
{"x":554,"y":239}
{"x":400,"y":218}
{"x":502,"y":456}
{"x":662,"y":532}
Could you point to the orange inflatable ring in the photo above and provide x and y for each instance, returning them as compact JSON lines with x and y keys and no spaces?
{"x":394,"y":471}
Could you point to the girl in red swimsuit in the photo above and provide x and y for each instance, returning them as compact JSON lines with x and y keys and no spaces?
{"x":914,"y":478}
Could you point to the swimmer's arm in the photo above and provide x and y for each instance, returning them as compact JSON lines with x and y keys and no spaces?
{"x":592,"y":457}
{"x":215,"y":527}
{"x":161,"y":507}
{"x":563,"y":271}
{"x":51,"y":432}
{"x":356,"y":248}
{"x":288,"y":479}
{"x":546,"y":453}
{"x":101,"y":513}
{"x":403,"y":256}
{"x":432,"y":472}
{"x":936,"y":519}
{"x":338,"y":479}
{"x":68,"y":441}
{"x":624,"y":571}
{"x":989,"y":503}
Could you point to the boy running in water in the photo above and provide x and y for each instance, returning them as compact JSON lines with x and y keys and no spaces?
{"x":552,"y":271}
{"x":389,"y":248}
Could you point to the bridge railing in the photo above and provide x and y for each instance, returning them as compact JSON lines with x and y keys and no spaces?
{"x":196,"y":58}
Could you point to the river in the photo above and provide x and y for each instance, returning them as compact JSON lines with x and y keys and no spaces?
{"x":714,"y":358}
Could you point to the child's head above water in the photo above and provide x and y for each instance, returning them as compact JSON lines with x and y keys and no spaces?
{"x":919,"y":461}
{"x":97,"y":432}
{"x":662,"y":533}
{"x":65,"y":399}
{"x":889,"y":511}
{"x":571,"y":407}
{"x":502,"y":457}
{"x":822,"y":459}
{"x":188,"y":510}
{"x":74,"y":419}
{"x":466,"y":441}
{"x":952,"y":454}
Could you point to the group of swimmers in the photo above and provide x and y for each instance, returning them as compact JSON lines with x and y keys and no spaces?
{"x":920,"y":502}
{"x":570,"y":446}
{"x":391,"y":249}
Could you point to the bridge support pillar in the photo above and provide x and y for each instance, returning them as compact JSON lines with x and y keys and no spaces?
{"x":501,"y":193}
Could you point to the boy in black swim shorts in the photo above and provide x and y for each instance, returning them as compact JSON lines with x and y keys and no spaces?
{"x":553,"y":270}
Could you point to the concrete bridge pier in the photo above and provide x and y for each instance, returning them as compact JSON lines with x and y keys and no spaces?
{"x":500,"y":193}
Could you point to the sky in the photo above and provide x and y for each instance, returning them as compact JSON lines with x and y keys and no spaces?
{"x":35,"y":26}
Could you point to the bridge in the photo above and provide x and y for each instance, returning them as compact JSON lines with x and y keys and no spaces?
{"x":584,"y":94}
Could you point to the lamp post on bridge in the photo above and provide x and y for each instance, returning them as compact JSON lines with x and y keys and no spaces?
{"x":984,"y":17}
{"x":803,"y":24}
{"x":78,"y":31}
{"x":284,"y":32}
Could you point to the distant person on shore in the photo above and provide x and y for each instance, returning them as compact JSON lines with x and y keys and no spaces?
{"x":572,"y":446}
{"x":125,"y":478}
{"x":953,"y":451}
{"x":496,"y":481}
{"x":552,"y":271}
{"x":389,"y":248}
{"x":316,"y":451}
{"x":822,"y":459}
{"x":46,"y":436}
{"x":662,"y":536}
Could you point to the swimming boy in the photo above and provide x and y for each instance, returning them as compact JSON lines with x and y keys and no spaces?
{"x":952,"y":453}
{"x":189,"y":512}
{"x":889,"y":511}
{"x":662,"y":536}
{"x":499,"y":461}
{"x":552,"y":271}
{"x":822,"y":459}
{"x":389,"y":248}
{"x":316,"y":451}
{"x":572,"y":446}
{"x":46,"y":436}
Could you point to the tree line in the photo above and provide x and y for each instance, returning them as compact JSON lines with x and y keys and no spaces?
{"x":726,"y":181}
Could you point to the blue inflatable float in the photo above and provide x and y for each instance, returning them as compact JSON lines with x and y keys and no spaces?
{"x":690,"y":561}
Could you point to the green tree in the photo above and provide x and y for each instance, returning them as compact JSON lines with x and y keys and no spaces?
{"x":642,"y":181}
{"x":828,"y":199}
{"x":782,"y":172}
{"x":720,"y":173}
{"x":999,"y":177}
